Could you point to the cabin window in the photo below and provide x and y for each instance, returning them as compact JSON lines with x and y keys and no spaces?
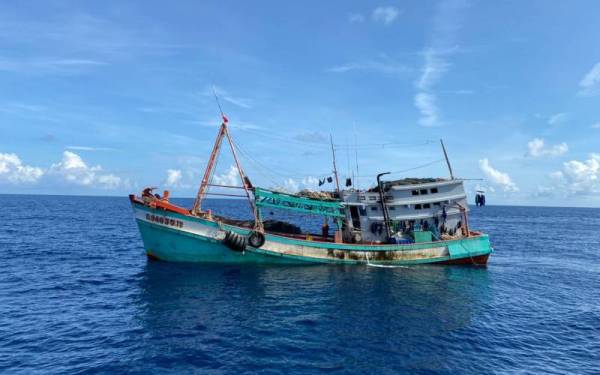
{"x":389,"y":198}
{"x":415,"y":192}
{"x":437,"y":204}
{"x":426,"y":205}
{"x":372,"y":198}
{"x":361,"y":197}
{"x":417,"y":206}
{"x":392,"y":208}
{"x":362,"y":211}
{"x":423,"y":191}
{"x":374,"y":208}
{"x":434,"y":190}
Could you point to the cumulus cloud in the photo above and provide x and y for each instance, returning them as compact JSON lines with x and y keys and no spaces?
{"x":590,"y":83}
{"x":496,"y":177}
{"x":385,"y":15}
{"x":579,"y":177}
{"x":75,"y":171}
{"x":231,"y":177}
{"x":291,"y":185}
{"x":537,"y":148}
{"x":12,"y":170}
{"x":173,"y":177}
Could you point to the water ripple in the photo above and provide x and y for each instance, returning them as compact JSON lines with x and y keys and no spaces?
{"x":78,"y":295}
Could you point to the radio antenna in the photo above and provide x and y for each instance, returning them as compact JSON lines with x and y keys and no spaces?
{"x":218,"y":102}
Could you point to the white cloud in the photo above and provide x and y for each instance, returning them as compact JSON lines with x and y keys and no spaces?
{"x":232,"y":124}
{"x":224,"y":95}
{"x":557,"y":119}
{"x":385,"y":15}
{"x":231,"y":177}
{"x":384,"y":66}
{"x":75,"y":171}
{"x":579,"y":177}
{"x":425,"y":103}
{"x":537,"y":148}
{"x":291,"y":185}
{"x":89,"y":148}
{"x":173,"y":177}
{"x":12,"y":170}
{"x":42,"y":66}
{"x":434,"y":68}
{"x":446,"y":22}
{"x":496,"y":177}
{"x":590,"y":83}
{"x":311,"y":137}
{"x":596,"y":125}
{"x":310,"y":181}
{"x":356,"y":18}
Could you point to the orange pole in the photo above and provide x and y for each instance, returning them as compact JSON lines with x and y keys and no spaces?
{"x":209,"y":168}
{"x":257,"y":222}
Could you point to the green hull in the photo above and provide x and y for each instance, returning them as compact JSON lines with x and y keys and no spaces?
{"x":196,"y":242}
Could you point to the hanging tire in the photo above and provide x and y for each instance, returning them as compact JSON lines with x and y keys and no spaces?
{"x":234,"y":241}
{"x":256,"y":239}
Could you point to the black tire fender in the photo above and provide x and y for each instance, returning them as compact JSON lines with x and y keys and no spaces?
{"x":256,"y":239}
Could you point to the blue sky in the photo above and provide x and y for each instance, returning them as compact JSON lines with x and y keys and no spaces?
{"x":105,"y":98}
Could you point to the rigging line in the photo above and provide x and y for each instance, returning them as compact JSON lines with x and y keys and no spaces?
{"x":323,"y":144}
{"x":286,"y":140}
{"x":375,"y":145}
{"x":217,"y":99}
{"x":289,"y":174}
{"x":256,"y":162}
{"x":257,"y":167}
{"x":409,"y":169}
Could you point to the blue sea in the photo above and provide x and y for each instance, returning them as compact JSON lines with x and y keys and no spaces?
{"x":78,"y":295}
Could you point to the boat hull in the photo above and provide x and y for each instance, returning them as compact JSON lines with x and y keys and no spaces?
{"x":174,"y":237}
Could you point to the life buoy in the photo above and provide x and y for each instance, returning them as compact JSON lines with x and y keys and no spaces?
{"x":256,"y":239}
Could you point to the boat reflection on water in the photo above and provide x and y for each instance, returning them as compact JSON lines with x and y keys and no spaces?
{"x":256,"y":316}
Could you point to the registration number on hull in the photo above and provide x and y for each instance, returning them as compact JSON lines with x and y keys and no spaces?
{"x":164,"y":220}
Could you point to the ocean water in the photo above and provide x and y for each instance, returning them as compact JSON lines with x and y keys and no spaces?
{"x":78,"y":295}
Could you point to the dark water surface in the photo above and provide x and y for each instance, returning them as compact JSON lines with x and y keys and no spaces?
{"x":78,"y":295}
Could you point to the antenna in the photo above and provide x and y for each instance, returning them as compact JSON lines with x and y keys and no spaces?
{"x":356,"y":158}
{"x":219,"y":104}
{"x":447,"y":160}
{"x":337,"y":181}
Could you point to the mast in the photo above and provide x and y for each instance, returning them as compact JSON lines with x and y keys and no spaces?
{"x":337,"y":181}
{"x":224,"y":133}
{"x":447,"y":160}
{"x":386,"y":218}
{"x":209,"y":168}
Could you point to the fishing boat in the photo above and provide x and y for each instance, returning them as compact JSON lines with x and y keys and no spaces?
{"x":395,"y":223}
